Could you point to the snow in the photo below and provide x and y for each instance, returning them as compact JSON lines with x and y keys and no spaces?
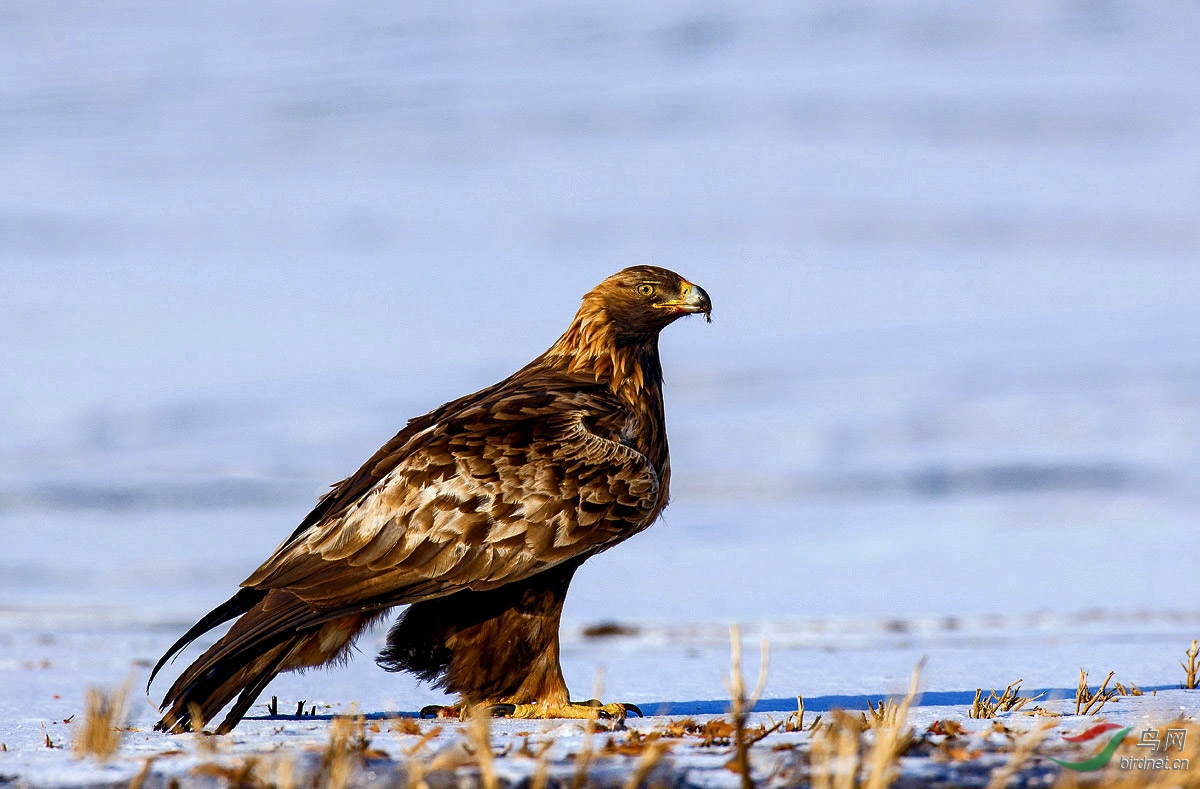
{"x":47,"y":663}
{"x":949,"y":406}
{"x":43,"y":695}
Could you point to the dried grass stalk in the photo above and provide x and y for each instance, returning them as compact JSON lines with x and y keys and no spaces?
{"x":481,"y":740}
{"x":1088,"y":703}
{"x":834,"y":758}
{"x":740,"y":705}
{"x":1010,"y":700}
{"x":587,"y":750}
{"x":892,"y":737}
{"x":104,"y":714}
{"x":1025,"y":747}
{"x":343,"y":755}
{"x":1192,"y":669}
{"x":649,"y":759}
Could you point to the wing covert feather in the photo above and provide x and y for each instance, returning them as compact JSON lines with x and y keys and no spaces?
{"x":486,"y":495}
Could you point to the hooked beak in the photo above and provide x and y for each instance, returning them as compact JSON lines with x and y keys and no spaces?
{"x":692,"y":299}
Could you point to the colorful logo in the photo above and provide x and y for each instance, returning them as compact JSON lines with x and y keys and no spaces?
{"x":1106,"y":753}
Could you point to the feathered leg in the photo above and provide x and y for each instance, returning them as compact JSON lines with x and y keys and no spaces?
{"x":498,"y":648}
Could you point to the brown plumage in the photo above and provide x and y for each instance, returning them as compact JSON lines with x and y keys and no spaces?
{"x":476,"y":515}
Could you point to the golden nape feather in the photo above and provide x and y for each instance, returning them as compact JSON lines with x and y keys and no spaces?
{"x":475,"y":516}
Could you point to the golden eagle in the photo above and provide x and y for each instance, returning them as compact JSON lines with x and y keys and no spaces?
{"x":475,"y":516}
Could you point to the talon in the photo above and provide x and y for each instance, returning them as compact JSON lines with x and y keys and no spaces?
{"x":439,"y":711}
{"x":602,"y":710}
{"x":502,"y":710}
{"x":615,"y":710}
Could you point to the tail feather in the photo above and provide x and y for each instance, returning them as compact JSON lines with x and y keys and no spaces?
{"x":280,"y":632}
{"x":250,"y":693}
{"x":240,"y":603}
{"x":207,"y":694}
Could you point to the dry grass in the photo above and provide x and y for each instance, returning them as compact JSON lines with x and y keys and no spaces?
{"x":880,"y":715}
{"x":425,"y":738}
{"x":139,"y":779}
{"x":799,"y":726}
{"x":1192,"y":680}
{"x":838,"y":756}
{"x":342,"y":757}
{"x":480,"y":733}
{"x":1010,"y":700}
{"x":242,"y":773}
{"x":1130,"y":690}
{"x":283,"y":773}
{"x":834,"y":759}
{"x":541,"y":773}
{"x":651,"y":756}
{"x":99,"y":736}
{"x":346,"y":751}
{"x":795,"y":721}
{"x":415,"y":769}
{"x":404,"y":725}
{"x":740,"y":704}
{"x":583,"y":760}
{"x":892,"y":736}
{"x":1023,"y":749}
{"x":205,"y":742}
{"x":587,"y":750}
{"x":1089,"y":703}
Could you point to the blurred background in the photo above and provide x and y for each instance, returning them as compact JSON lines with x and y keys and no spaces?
{"x":953,"y":382}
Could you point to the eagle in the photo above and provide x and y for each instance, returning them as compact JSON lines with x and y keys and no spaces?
{"x":475,"y":516}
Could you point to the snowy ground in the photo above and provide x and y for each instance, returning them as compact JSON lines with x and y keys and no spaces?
{"x":949,"y":406}
{"x":671,"y":673}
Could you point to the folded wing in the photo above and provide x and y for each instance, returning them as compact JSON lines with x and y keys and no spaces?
{"x":489,"y":492}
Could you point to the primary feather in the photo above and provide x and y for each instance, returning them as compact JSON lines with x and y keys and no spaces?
{"x":475,"y":515}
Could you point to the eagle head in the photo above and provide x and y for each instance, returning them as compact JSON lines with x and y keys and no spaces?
{"x":641,"y":300}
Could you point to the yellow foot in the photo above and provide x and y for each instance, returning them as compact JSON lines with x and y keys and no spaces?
{"x":592,"y":708}
{"x":574,"y":709}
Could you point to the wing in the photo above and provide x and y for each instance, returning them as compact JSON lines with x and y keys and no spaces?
{"x":489,"y":492}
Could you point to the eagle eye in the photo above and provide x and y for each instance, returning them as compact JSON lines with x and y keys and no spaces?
{"x":646,"y":289}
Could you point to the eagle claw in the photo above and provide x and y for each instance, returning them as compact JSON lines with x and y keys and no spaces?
{"x":623,"y":707}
